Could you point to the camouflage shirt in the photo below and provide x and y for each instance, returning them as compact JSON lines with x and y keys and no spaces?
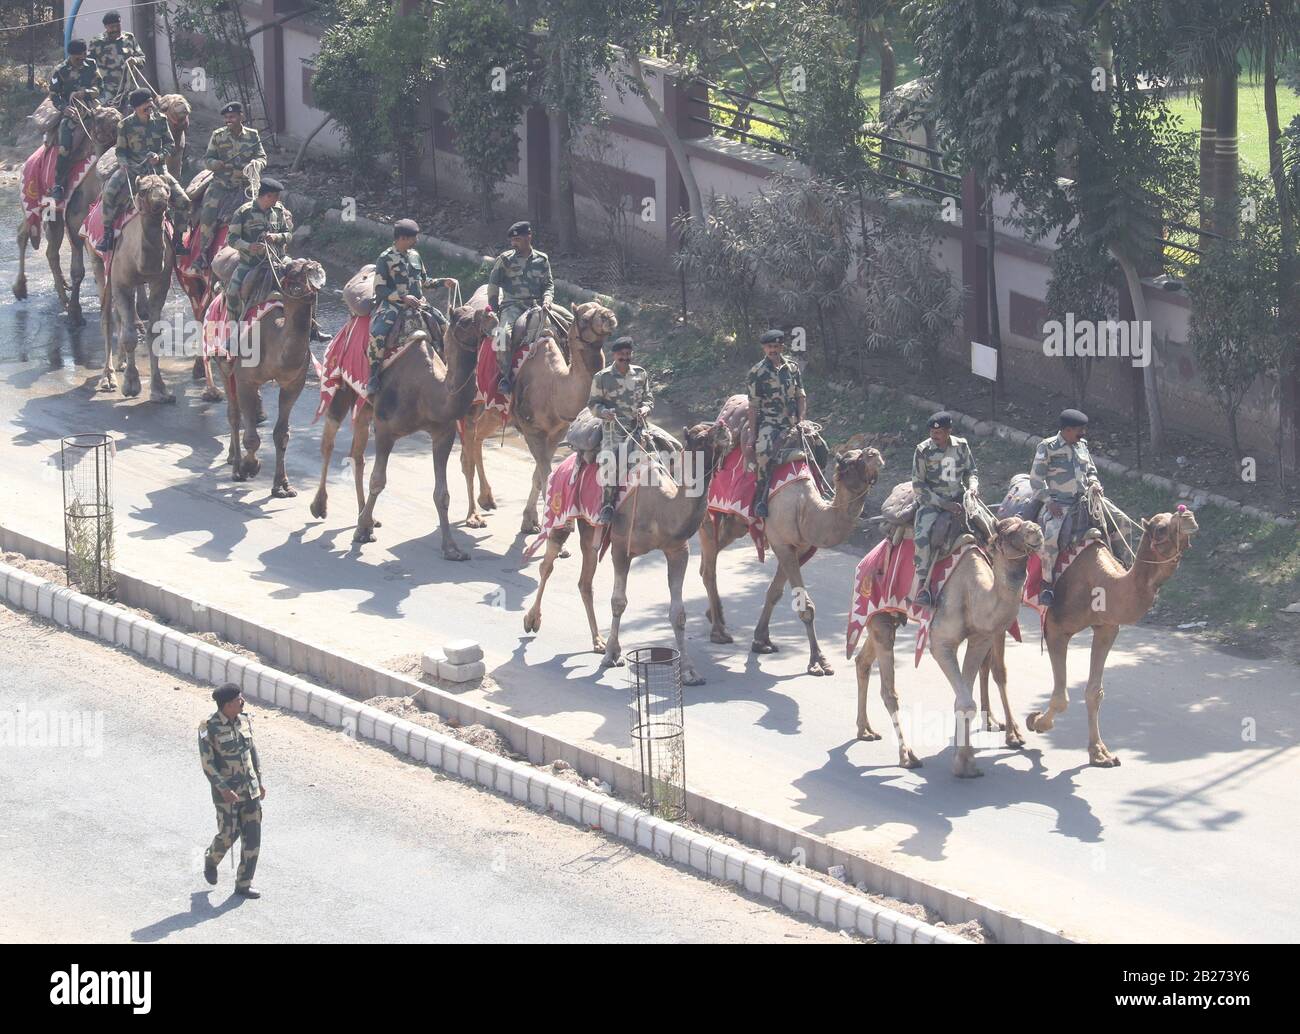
{"x":235,"y":151}
{"x":776,"y":391}
{"x":229,"y":757}
{"x":1061,"y":471}
{"x":67,"y":80}
{"x":518,"y":279}
{"x":942,"y":475}
{"x":136,"y":140}
{"x":251,"y":225}
{"x":625,"y":394}
{"x":112,"y":55}
{"x":399,"y":273}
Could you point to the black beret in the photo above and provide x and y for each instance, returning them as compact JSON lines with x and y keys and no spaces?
{"x":1073,"y":418}
{"x":520,"y":229}
{"x":269,"y":186}
{"x":112,"y":16}
{"x":622,"y":343}
{"x":139,"y":97}
{"x":225,"y":694}
{"x":233,"y":108}
{"x":772,"y":337}
{"x":406,"y":228}
{"x":77,"y":46}
{"x":940,"y":419}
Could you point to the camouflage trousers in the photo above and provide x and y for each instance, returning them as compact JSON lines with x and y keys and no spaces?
{"x":213,"y":198}
{"x":506,"y":316}
{"x":619,"y":453}
{"x":235,"y":304}
{"x":117,"y":194}
{"x":1051,"y":538}
{"x":383,"y":320}
{"x":923,"y":534}
{"x":240,"y":821}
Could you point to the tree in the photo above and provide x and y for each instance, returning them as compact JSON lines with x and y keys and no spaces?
{"x":1082,"y":287}
{"x":720,"y":253}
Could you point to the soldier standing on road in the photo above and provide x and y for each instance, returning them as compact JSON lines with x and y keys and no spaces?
{"x":1061,"y":474}
{"x":114,"y":51}
{"x":144,"y":143}
{"x":943,"y":470}
{"x":621,"y":396}
{"x":230,"y":149}
{"x":230,"y":762}
{"x":77,"y":80}
{"x":777,"y":403}
{"x":253,"y":227}
{"x":519,"y":282}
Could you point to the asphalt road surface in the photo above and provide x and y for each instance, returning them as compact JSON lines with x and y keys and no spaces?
{"x":104,"y":834}
{"x":1188,"y":840}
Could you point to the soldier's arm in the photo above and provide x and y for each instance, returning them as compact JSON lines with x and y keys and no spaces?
{"x":648,"y":396}
{"x":494,"y":283}
{"x":1090,"y":473}
{"x":212,"y":159}
{"x":96,"y":85}
{"x":125,"y":156}
{"x":257,"y":762}
{"x":239,"y":237}
{"x":166,"y":145}
{"x":598,"y":399}
{"x":208,"y":759}
{"x":259,"y":154}
{"x":58,"y":89}
{"x":803,"y":395}
{"x":972,"y":478}
{"x":394,"y":283}
{"x":283,"y":237}
{"x":548,"y":284}
{"x":1038,"y":474}
{"x":924,"y":495}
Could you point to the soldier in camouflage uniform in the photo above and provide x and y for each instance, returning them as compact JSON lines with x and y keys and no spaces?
{"x":230,"y":149}
{"x":520,"y":280}
{"x":254,"y":226}
{"x":1061,"y":474}
{"x":230,"y":762}
{"x":113,"y":50}
{"x":622,"y":397}
{"x":144,"y":143}
{"x":943,"y":469}
{"x":400,"y":281}
{"x":777,"y":402}
{"x":77,"y":79}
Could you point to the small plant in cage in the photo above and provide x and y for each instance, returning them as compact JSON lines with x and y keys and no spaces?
{"x":89,"y":545}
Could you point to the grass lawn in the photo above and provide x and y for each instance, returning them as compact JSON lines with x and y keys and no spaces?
{"x":1251,"y":126}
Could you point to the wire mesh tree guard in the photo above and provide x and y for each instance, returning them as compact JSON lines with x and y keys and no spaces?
{"x":86,"y":461}
{"x":658,"y":729}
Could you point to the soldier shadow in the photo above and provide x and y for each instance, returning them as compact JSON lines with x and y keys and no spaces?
{"x":201,"y":911}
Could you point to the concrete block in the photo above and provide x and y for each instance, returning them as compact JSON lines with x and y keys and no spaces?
{"x":186,"y":651}
{"x":31,"y":593}
{"x":505,"y":776}
{"x":752,"y":875}
{"x":154,"y":641}
{"x":140,"y":636}
{"x":679,"y":845}
{"x":430,"y":660}
{"x":663,"y":838}
{"x":384,"y":728}
{"x":45,"y":600}
{"x":790,"y":887}
{"x":590,"y":810}
{"x":572,"y":804}
{"x":93,"y":614}
{"x":401,"y":735}
{"x":883,"y":924}
{"x":122,"y":631}
{"x":827,"y":903}
{"x":366,"y":722}
{"x":461,"y":672}
{"x":846,"y":914}
{"x":519,"y":784}
{"x":627,"y":824}
{"x":607,"y":818}
{"x":77,"y":610}
{"x":171,"y":642}
{"x":284,"y":694}
{"x":699,"y":853}
{"x":59,"y":606}
{"x":463,"y":651}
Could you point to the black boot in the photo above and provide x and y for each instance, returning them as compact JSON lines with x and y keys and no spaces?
{"x":209,"y":871}
{"x":376,"y":367}
{"x":1047,"y":597}
{"x":760,"y":498}
{"x":105,"y":243}
{"x":60,"y":177}
{"x":178,"y":239}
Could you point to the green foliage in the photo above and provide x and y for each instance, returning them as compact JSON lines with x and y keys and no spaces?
{"x":829,"y":113}
{"x":720,"y":255}
{"x":1083,"y":283}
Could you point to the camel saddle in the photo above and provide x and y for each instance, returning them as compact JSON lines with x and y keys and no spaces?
{"x":46,"y":120}
{"x":198,"y":187}
{"x":359,"y":296}
{"x":1078,"y":526}
{"x":898,"y":512}
{"x":257,"y":287}
{"x":529,"y":326}
{"x":586,"y":432}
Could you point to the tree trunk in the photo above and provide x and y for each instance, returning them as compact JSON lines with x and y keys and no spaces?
{"x":671,"y":138}
{"x":1150,"y":387}
{"x":995,"y":324}
{"x":1226,"y":161}
{"x":1288,"y":297}
{"x":888,"y":68}
{"x":563,"y":207}
{"x":1209,"y":105}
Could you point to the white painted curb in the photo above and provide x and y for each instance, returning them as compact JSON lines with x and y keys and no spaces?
{"x":190,"y":656}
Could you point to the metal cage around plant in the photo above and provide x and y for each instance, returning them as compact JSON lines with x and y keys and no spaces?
{"x":86,"y":462}
{"x":658,"y":734}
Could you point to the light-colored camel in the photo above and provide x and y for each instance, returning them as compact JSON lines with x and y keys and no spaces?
{"x":1096,"y":592}
{"x":548,"y":393}
{"x":661,"y":514}
{"x":798,"y":521}
{"x":141,"y":262}
{"x":469,"y":324}
{"x":176,"y":110}
{"x":979,"y":602}
{"x":102,"y":123}
{"x":275,"y":348}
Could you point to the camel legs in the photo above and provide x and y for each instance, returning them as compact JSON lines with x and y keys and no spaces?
{"x":280,"y":488}
{"x":245,"y":407}
{"x":123,"y":305}
{"x":617,"y":604}
{"x":53,"y":242}
{"x":108,"y":381}
{"x":961,"y":678}
{"x":442,"y":444}
{"x":543,"y":450}
{"x":762,"y":639}
{"x":77,"y":271}
{"x":996,"y":664}
{"x":589,"y":542}
{"x":1058,"y":643}
{"x":384,"y":442}
{"x":714,"y":538}
{"x":344,"y":399}
{"x":20,"y":282}
{"x":157,"y":295}
{"x":678,"y":558}
{"x":879,"y":647}
{"x":1103,"y":637}
{"x":471,"y":462}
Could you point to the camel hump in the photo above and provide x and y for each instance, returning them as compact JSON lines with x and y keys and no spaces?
{"x":359,"y":292}
{"x":198,"y":186}
{"x":584,"y":434}
{"x":1018,"y":502}
{"x":224,"y":263}
{"x":46,"y":116}
{"x":735,"y":417}
{"x":899,"y":506}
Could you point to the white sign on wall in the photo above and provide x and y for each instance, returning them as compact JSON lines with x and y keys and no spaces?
{"x":983,"y":361}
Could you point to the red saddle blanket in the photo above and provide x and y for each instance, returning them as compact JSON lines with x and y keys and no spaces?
{"x":574,"y":491}
{"x":346,"y":362}
{"x":731,"y":493}
{"x":1034,"y":572}
{"x":197,"y":283}
{"x":38,"y":181}
{"x":92,"y":229}
{"x":488,"y":375}
{"x":216,"y":324}
{"x":882,"y":583}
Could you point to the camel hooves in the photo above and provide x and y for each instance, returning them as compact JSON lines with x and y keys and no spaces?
{"x":532,"y":622}
{"x":693,"y":680}
{"x":212,"y":395}
{"x":363,"y":536}
{"x":720,"y":637}
{"x":911,"y":761}
{"x":613,"y":662}
{"x":475,"y":522}
{"x":598,"y":645}
{"x":106,"y":384}
{"x":283,"y":492}
{"x":1031,"y":721}
{"x":318,"y":508}
{"x":757,"y":647}
{"x":487,"y":504}
{"x":163,"y":398}
{"x":1106,"y":761}
{"x":820,"y":668}
{"x":20,"y":289}
{"x":454,"y":554}
{"x":198,"y":372}
{"x":868,"y":735}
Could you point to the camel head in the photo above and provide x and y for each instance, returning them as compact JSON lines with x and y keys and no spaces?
{"x":104,"y":123}
{"x":1016,"y":538}
{"x":301,"y":278}
{"x":469,"y":325}
{"x":152,"y":196}
{"x":1169,"y":535}
{"x":711,"y":437}
{"x":592,"y":324}
{"x":857,"y":470}
{"x":176,"y":109}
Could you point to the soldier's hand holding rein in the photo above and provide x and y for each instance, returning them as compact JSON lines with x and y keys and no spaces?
{"x":229,"y":796}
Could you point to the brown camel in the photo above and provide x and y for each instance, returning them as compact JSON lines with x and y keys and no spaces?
{"x":661,"y":514}
{"x":102,"y":123}
{"x":799,"y":520}
{"x":1097,"y":592}
{"x":275,"y":348}
{"x":141,"y":263}
{"x":176,"y":109}
{"x":469,"y":324}
{"x":548,"y":394}
{"x":979,"y":602}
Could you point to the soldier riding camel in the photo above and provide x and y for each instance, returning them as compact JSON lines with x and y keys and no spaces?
{"x":257,"y":229}
{"x":777,"y":405}
{"x":144,"y":143}
{"x":230,"y":149}
{"x":1061,"y":475}
{"x":943,"y":470}
{"x":520,"y":282}
{"x":116,"y":53}
{"x":621,"y":396}
{"x":76,"y":82}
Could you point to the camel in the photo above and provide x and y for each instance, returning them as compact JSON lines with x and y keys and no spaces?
{"x":661,"y":514}
{"x":799,"y":520}
{"x":979,"y":602}
{"x":548,"y":394}
{"x":280,"y":352}
{"x":1096,"y":592}
{"x":176,"y":109}
{"x":142,"y":263}
{"x":102,"y":123}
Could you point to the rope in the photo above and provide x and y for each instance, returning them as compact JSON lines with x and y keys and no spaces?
{"x":253,"y":173}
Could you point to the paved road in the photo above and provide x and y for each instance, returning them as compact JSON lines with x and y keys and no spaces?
{"x":103,"y":839}
{"x":1190,"y":839}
